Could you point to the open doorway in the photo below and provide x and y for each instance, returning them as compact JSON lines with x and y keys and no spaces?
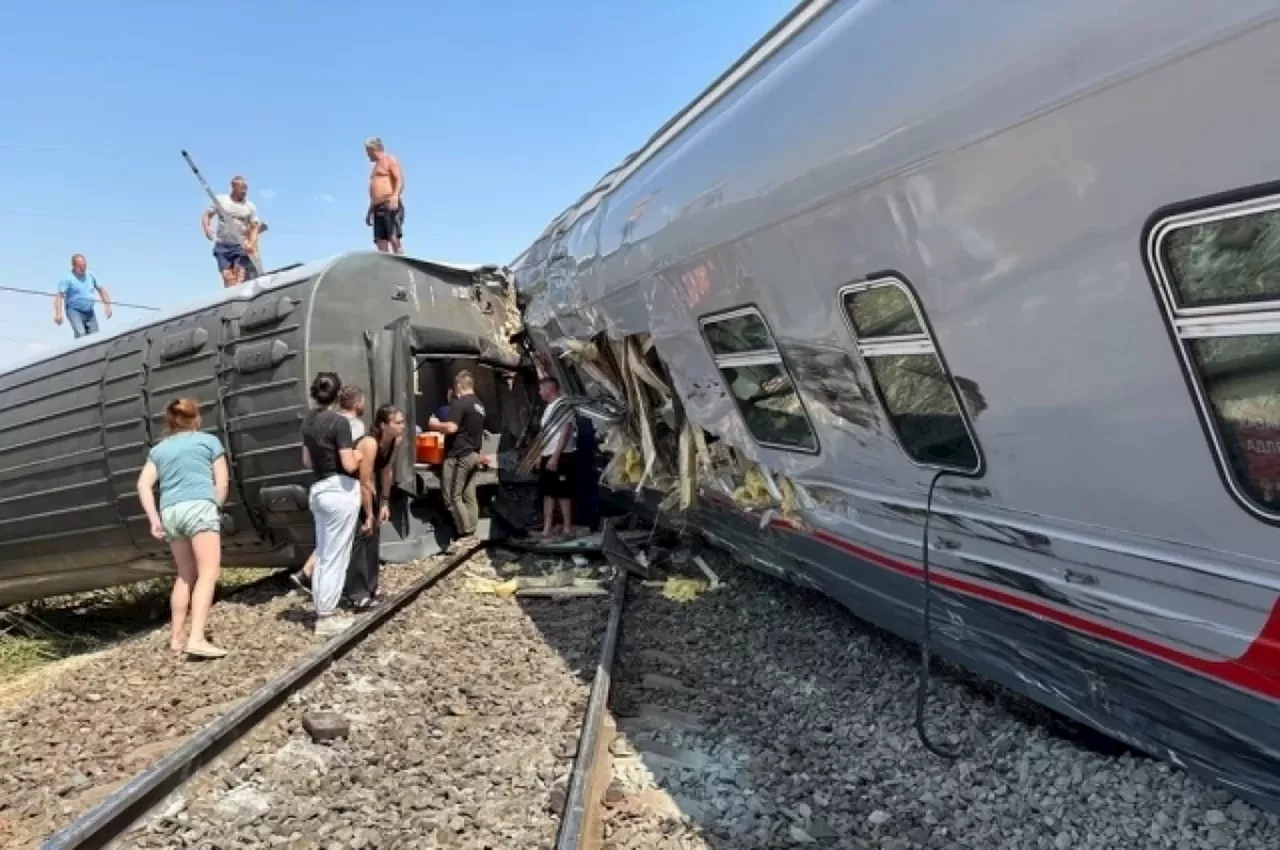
{"x":425,"y":362}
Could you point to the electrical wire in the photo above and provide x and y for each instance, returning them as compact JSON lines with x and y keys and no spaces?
{"x":114,"y":304}
{"x":136,"y":222}
{"x":922,"y":684}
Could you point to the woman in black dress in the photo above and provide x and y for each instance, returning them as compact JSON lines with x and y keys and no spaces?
{"x":376,"y":450}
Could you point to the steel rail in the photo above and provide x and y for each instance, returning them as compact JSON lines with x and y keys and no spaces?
{"x":113,"y":817}
{"x":587,"y":781}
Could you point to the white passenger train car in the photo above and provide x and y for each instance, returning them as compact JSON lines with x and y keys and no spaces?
{"x":1021,"y":257}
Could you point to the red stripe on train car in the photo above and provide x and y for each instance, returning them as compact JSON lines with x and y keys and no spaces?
{"x":1257,"y":670}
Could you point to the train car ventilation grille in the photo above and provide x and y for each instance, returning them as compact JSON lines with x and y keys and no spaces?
{"x":183,"y":343}
{"x":267,"y":313}
{"x":261,"y":355}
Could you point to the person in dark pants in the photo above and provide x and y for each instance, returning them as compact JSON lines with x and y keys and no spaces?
{"x":586,"y":485}
{"x":464,"y":437}
{"x":556,"y":471}
{"x":376,"y":449}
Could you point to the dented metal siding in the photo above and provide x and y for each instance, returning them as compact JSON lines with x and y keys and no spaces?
{"x":1004,"y":161}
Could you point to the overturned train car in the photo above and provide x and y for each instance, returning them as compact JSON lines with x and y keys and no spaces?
{"x":1002,"y":272}
{"x":76,"y":424}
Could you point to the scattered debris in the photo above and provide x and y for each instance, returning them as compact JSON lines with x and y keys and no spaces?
{"x":561,"y":592}
{"x":713,"y":581}
{"x":618,"y":552}
{"x":325,"y":725}
{"x":683,"y":589}
{"x":503,"y":590}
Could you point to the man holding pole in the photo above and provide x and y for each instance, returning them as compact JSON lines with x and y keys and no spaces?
{"x":236,"y":240}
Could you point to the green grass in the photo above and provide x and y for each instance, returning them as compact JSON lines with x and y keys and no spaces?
{"x":38,"y":633}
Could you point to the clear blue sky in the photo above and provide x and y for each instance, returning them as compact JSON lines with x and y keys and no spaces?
{"x":502,"y":113}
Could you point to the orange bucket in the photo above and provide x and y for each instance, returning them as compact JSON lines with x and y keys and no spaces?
{"x":430,"y":448}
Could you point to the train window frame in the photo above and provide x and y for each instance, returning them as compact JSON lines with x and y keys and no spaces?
{"x":1188,"y":324}
{"x":921,"y":343}
{"x":771,"y":356}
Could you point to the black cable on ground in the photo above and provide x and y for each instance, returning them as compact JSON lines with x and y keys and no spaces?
{"x":922,"y":685}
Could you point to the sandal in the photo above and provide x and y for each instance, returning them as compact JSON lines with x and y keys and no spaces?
{"x":208,"y":652}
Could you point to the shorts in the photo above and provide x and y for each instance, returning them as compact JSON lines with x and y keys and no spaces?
{"x":82,"y":322}
{"x":388,"y":224}
{"x":230,"y":255}
{"x":185,"y":520}
{"x":558,"y":484}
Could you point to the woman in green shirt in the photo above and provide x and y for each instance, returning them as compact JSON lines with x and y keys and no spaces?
{"x":191,"y":469}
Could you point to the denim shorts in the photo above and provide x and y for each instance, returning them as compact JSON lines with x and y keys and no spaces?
{"x":185,"y":520}
{"x":82,"y":323}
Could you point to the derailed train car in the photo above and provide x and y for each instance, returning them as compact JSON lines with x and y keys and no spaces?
{"x":984,"y":296}
{"x":76,"y":424}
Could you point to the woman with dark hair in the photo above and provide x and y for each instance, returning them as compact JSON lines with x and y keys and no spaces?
{"x":191,"y":469}
{"x":335,"y":498}
{"x":376,"y":449}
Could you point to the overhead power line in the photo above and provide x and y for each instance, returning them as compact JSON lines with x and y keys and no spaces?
{"x":137,"y":222}
{"x":96,"y":300}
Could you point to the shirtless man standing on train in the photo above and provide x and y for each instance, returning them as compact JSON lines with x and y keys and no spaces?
{"x":386,"y":198}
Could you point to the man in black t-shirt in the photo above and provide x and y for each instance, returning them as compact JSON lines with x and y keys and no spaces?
{"x":464,"y":436}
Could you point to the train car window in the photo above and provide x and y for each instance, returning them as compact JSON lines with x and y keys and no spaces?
{"x":757,"y":377}
{"x":1218,"y":277}
{"x":739,"y":335}
{"x":882,"y":311}
{"x":909,"y":375}
{"x":1224,"y":261}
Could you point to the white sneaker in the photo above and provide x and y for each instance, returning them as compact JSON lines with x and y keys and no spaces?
{"x":333,"y":625}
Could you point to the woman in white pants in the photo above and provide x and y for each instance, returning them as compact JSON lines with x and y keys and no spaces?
{"x":335,"y":499}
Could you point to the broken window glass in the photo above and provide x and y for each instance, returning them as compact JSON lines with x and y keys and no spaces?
{"x":771,"y":406}
{"x":882,"y":311}
{"x":916,"y":391}
{"x":924,"y":409}
{"x":738,"y":334}
{"x":758,"y":380}
{"x":1229,"y":259}
{"x":1242,"y":378}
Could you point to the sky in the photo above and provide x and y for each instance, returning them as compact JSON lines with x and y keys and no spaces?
{"x":501,"y":112}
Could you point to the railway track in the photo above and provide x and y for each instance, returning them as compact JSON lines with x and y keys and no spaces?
{"x":752,"y":716}
{"x":128,"y":816}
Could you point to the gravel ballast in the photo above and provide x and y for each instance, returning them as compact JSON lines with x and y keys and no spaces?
{"x":90,"y":729}
{"x":763,"y":716}
{"x":462,"y":716}
{"x":756,"y":715}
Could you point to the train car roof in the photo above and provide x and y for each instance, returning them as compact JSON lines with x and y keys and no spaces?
{"x":246,"y":292}
{"x":791,"y":25}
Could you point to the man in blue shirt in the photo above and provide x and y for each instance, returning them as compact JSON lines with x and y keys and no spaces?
{"x":76,"y":293}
